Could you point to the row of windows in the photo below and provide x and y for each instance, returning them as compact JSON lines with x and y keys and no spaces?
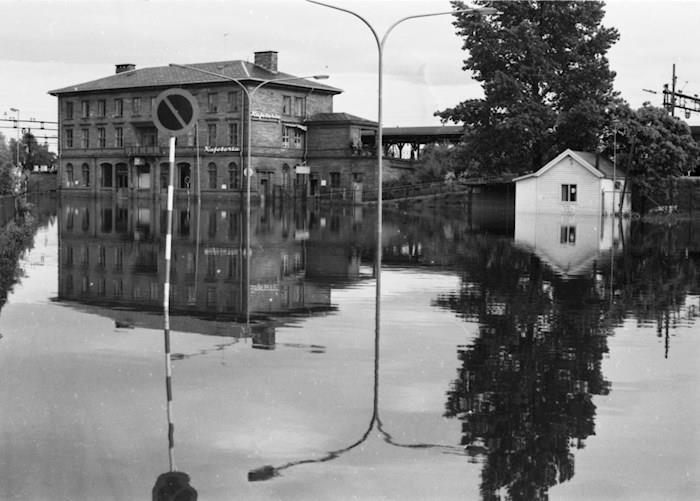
{"x":230,"y":179}
{"x":100,"y":108}
{"x":152,"y":292}
{"x":145,"y":136}
{"x":69,"y":140}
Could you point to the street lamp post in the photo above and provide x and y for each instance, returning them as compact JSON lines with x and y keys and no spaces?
{"x":248,"y":172}
{"x":16,"y":110}
{"x":380,"y":147}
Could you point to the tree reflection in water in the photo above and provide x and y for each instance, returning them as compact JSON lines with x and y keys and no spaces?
{"x":525,"y":385}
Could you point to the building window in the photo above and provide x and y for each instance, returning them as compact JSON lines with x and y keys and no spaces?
{"x":69,"y":138}
{"x":233,"y":99}
{"x":101,"y":256}
{"x":69,"y":174}
{"x":233,"y":176}
{"x":211,"y":134}
{"x":211,"y":169}
{"x":567,"y":235}
{"x":212,"y":226}
{"x":286,"y":105}
{"x":152,"y":107}
{"x":86,"y":174}
{"x":118,"y":258}
{"x":148,"y":136}
{"x":136,"y":106}
{"x":212,"y":101}
{"x":101,"y":108}
{"x":285,"y":137}
{"x":568,"y":192}
{"x":106,"y":171}
{"x":85,"y":138}
{"x":297,"y":138}
{"x":233,"y":134}
{"x":85,"y":109}
{"x":101,"y":137}
{"x":118,"y":107}
{"x":118,"y":137}
{"x":300,"y":106}
{"x":335,"y":179}
{"x":69,"y":110}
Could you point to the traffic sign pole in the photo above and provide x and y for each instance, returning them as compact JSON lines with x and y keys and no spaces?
{"x":166,"y":307}
{"x":175,"y":113}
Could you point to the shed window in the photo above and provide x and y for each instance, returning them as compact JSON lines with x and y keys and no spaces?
{"x":568,"y":192}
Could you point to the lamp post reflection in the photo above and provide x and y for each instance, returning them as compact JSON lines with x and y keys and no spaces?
{"x":268,"y":471}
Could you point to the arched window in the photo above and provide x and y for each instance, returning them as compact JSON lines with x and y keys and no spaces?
{"x":69,"y":174}
{"x":211,"y":169}
{"x":233,"y":176}
{"x":86,"y":174}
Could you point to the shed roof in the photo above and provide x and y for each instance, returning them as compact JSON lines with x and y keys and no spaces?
{"x":168,"y":76}
{"x":596,"y":163}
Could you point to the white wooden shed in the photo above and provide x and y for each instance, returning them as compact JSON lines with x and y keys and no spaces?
{"x":575,"y":182}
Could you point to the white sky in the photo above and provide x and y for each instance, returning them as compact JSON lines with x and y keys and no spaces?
{"x":52,"y":44}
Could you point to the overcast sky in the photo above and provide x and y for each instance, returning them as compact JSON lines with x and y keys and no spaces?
{"x":52,"y":44}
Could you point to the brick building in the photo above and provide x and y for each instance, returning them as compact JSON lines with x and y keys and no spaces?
{"x":109,"y":142}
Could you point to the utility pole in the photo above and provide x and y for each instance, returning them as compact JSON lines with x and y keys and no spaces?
{"x":674,"y":99}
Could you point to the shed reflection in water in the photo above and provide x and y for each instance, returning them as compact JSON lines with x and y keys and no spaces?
{"x":545,"y":306}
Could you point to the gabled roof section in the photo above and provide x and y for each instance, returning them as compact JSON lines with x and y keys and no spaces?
{"x":338,"y":118}
{"x":169,"y":76}
{"x":596,"y":164}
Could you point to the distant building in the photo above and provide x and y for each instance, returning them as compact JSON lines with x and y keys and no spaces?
{"x":109,"y":142}
{"x":575,"y":182}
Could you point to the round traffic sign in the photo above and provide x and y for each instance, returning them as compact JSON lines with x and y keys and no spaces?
{"x":175,"y":112}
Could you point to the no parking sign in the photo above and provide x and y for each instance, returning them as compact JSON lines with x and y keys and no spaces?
{"x":176,"y":112}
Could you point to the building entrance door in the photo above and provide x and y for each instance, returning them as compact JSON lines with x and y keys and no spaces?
{"x":122,"y":177}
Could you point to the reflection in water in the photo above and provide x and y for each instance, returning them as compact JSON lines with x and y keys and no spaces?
{"x":524,"y":387}
{"x":110,"y":253}
{"x":544,"y":304}
{"x":268,"y":471}
{"x":16,"y":237}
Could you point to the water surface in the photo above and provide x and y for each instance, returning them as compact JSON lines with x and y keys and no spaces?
{"x":554,"y":358}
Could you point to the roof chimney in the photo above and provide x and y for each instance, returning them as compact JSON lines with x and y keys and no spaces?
{"x":267,"y":59}
{"x":121,"y":68}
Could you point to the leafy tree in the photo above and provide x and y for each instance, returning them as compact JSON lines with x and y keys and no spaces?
{"x":5,"y":155}
{"x":546,"y":81}
{"x":653,"y":147}
{"x":31,"y":153}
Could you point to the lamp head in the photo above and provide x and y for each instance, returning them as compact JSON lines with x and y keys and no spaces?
{"x":320,"y":77}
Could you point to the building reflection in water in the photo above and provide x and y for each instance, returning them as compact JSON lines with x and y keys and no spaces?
{"x":110,"y":261}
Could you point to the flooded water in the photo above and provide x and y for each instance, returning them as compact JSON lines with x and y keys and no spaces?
{"x":517,"y":358}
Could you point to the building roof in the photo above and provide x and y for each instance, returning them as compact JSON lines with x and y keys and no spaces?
{"x":340,"y":118}
{"x":456,"y":131}
{"x":168,"y":76}
{"x":596,"y":163}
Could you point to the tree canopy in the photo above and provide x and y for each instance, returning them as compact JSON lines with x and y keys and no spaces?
{"x":545,"y":77}
{"x":652,"y":146}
